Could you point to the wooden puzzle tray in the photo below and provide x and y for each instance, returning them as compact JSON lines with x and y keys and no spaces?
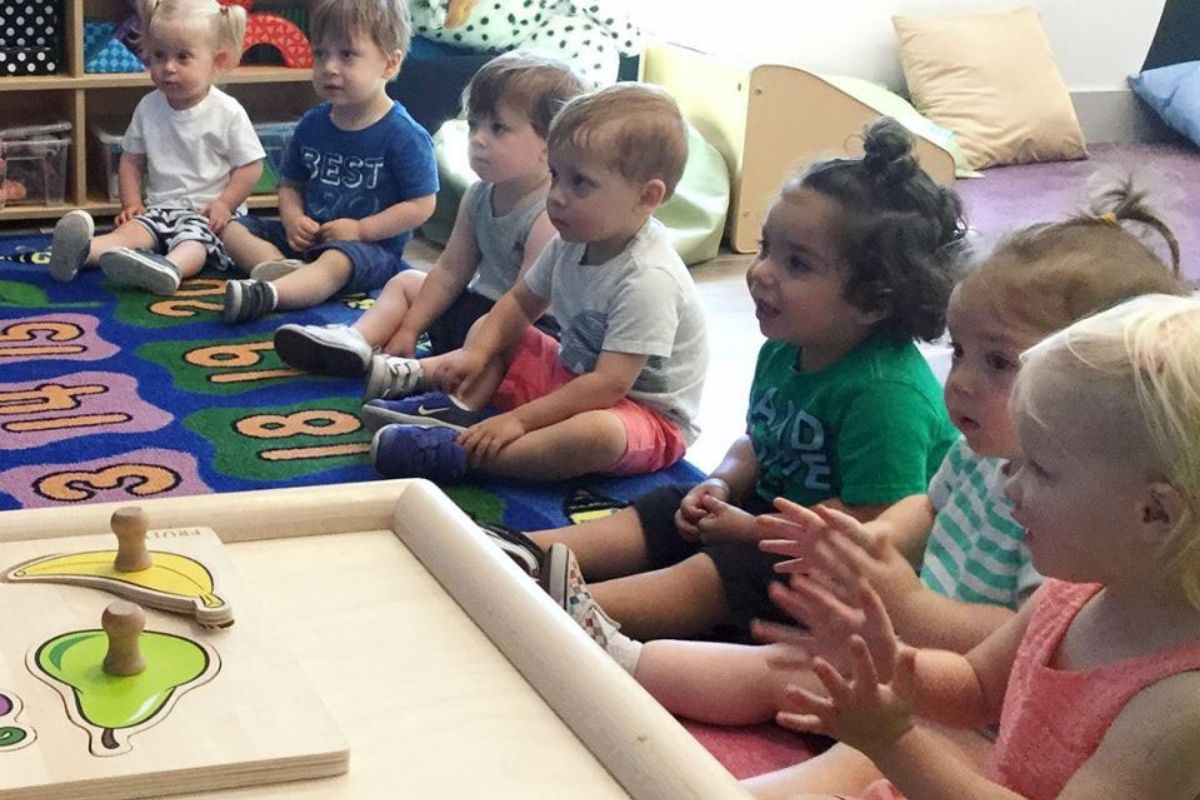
{"x":396,"y":631}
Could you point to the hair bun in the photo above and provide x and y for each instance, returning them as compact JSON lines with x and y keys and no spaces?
{"x":887,"y":151}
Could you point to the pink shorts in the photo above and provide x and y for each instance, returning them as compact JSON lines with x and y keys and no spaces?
{"x":652,"y":441}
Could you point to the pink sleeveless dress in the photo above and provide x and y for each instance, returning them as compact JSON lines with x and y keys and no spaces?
{"x":1053,"y":720}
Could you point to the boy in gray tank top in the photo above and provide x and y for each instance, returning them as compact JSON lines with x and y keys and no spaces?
{"x":620,"y":394}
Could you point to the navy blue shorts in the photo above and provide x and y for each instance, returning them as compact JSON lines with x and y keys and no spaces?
{"x":373,"y":265}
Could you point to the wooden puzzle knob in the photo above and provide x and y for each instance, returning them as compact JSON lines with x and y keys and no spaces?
{"x":123,"y":623}
{"x":129,"y":524}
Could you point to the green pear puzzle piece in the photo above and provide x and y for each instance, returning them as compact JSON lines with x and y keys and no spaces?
{"x":111,"y":708}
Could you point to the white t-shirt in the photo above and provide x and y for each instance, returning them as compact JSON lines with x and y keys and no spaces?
{"x":190,"y":153}
{"x":643,"y":302}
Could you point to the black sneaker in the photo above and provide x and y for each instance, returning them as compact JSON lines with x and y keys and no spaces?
{"x":429,"y":409}
{"x":141,"y":268}
{"x":519,"y":547}
{"x":248,"y":300}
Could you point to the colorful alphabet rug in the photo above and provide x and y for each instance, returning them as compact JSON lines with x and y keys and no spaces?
{"x":113,"y":394}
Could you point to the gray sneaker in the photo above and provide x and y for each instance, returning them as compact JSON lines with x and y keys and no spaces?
{"x":69,"y":247}
{"x":324,"y":349}
{"x":142,"y":269}
{"x":274,"y":270}
{"x":248,"y":300}
{"x":392,"y":376}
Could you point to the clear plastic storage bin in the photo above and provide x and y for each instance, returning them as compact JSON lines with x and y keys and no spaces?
{"x":35,"y":161}
{"x":110,"y":157}
{"x":274,"y":137}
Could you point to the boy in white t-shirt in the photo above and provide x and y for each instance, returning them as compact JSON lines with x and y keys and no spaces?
{"x":197,"y":145}
{"x":620,"y":394}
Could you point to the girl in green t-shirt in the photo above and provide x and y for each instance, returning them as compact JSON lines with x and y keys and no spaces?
{"x":858,"y":258}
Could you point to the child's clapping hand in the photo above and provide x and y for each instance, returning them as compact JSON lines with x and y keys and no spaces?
{"x":853,"y":649}
{"x":807,"y":535}
{"x":864,"y":711}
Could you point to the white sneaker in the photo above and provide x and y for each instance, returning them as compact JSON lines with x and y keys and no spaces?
{"x":274,"y":270}
{"x":392,"y":376}
{"x":562,"y":579}
{"x":324,"y":349}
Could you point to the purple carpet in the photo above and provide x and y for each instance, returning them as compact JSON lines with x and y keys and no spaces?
{"x":1010,"y":197}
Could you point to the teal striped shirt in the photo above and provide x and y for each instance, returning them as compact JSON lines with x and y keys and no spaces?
{"x":976,"y":552}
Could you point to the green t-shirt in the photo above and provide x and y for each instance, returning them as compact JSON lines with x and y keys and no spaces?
{"x":869,"y":429}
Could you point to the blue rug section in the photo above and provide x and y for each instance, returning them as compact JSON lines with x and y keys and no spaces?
{"x":112,"y":394}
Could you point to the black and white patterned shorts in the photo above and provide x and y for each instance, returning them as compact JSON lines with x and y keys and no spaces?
{"x":171,"y":225}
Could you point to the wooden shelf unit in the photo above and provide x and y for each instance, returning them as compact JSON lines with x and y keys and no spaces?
{"x":108,"y":100}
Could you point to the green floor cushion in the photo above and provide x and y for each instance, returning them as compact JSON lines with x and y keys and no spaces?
{"x":695,"y":214}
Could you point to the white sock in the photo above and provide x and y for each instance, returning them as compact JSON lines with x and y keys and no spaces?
{"x":625,"y":651}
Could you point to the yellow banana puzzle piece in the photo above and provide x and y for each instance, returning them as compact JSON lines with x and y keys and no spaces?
{"x":173,"y":583}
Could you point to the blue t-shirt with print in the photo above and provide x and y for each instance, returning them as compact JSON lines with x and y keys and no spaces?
{"x":355,"y":174}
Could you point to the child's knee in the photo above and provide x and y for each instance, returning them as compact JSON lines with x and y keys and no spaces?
{"x":236,"y":231}
{"x":409,"y":282}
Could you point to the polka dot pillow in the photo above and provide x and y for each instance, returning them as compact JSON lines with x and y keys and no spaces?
{"x":30,"y":37}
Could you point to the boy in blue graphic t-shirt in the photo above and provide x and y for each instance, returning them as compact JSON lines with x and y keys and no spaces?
{"x":358,"y":175}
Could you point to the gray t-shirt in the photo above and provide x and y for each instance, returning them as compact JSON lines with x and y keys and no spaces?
{"x":500,"y":239}
{"x":642,"y":302}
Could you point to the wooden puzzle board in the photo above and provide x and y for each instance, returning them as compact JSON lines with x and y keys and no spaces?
{"x":450,"y":673}
{"x":256,"y":720}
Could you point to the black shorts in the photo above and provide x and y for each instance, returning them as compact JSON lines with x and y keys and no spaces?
{"x":449,"y":331}
{"x":745,"y":571}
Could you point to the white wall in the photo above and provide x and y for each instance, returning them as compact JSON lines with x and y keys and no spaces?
{"x":1096,"y":43}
